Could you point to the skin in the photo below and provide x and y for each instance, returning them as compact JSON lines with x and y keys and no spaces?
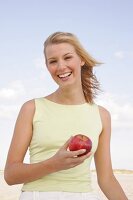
{"x":61,"y":59}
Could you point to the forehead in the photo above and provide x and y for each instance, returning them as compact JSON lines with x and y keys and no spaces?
{"x":54,"y":50}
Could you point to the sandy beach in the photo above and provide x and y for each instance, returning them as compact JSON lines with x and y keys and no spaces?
{"x":125,"y":178}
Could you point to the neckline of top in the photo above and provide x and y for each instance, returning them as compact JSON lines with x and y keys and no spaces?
{"x":69,"y":105}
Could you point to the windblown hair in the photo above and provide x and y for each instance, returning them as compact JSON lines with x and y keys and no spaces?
{"x":90,"y":84}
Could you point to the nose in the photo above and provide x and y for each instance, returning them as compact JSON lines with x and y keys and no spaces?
{"x":61,"y":64}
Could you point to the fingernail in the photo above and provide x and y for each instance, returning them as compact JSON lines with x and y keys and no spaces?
{"x":83,"y":150}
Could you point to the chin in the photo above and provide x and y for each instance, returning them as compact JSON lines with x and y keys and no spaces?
{"x":67,"y":85}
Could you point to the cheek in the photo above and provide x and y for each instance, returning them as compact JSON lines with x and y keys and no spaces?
{"x":77,"y":67}
{"x":51,"y":70}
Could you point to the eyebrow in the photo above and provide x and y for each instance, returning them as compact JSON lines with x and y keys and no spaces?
{"x":63,"y":55}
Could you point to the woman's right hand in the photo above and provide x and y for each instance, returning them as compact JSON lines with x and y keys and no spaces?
{"x":65,"y":159}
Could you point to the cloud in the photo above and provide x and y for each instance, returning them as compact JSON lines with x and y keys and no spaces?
{"x":123,"y":54}
{"x":121,"y":109}
{"x":8,"y":111}
{"x":14,"y":90}
{"x":10,"y":97}
{"x":119,"y":54}
{"x":7,"y":93}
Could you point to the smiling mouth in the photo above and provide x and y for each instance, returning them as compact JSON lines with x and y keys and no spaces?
{"x":65,"y":75}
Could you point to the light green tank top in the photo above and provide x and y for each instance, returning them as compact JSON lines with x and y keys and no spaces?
{"x":53,"y":125}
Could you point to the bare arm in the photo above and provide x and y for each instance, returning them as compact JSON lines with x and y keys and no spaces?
{"x":106,"y":179}
{"x":16,"y":171}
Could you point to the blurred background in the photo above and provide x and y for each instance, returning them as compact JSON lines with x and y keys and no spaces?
{"x":105,"y":28}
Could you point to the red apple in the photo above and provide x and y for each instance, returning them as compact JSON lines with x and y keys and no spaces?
{"x":80,"y":141}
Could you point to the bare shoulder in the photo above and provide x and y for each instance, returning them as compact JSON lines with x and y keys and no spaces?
{"x":26,"y":112}
{"x":105,"y":115}
{"x":22,"y":133}
{"x":28,"y":107}
{"x":103,"y":111}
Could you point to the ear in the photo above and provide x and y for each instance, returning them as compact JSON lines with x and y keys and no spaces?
{"x":82,"y":63}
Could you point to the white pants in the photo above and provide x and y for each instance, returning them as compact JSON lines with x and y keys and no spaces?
{"x":58,"y":196}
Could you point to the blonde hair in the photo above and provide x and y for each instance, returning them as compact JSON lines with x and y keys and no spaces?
{"x":90,"y":83}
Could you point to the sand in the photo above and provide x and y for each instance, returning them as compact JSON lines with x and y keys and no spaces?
{"x":125,"y":178}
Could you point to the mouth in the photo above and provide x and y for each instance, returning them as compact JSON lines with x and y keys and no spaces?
{"x":65,"y":75}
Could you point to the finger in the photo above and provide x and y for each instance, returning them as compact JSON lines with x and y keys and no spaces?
{"x":78,"y":152}
{"x":65,"y":146}
{"x":80,"y":159}
{"x":86,"y":155}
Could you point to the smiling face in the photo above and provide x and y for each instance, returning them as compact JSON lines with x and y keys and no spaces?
{"x":64,"y":64}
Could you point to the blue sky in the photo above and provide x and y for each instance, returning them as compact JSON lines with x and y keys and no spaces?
{"x":105,"y":28}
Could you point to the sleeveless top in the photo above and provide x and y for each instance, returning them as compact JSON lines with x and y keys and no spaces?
{"x":53,"y":125}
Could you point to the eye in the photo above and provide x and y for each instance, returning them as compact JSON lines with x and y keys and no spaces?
{"x":68,"y":57}
{"x":52,"y":61}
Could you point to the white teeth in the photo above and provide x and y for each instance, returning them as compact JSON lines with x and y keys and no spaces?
{"x":65,"y":75}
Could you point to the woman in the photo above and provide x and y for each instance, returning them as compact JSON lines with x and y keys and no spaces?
{"x":46,"y":125}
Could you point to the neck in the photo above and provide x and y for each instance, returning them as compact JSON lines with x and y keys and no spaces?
{"x":69,"y":96}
